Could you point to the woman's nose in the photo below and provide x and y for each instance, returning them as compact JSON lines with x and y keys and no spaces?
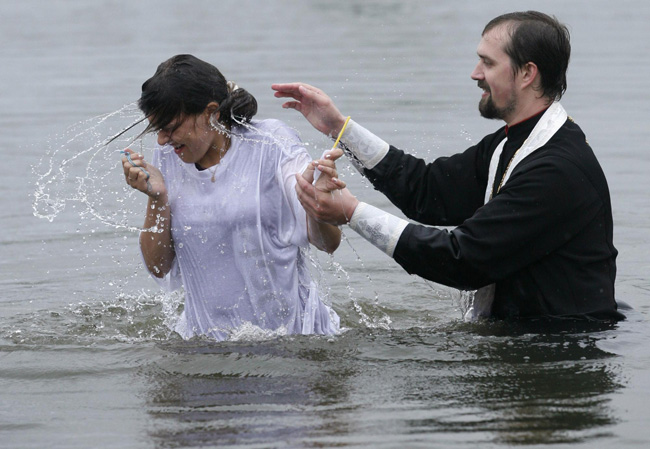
{"x":163,"y":137}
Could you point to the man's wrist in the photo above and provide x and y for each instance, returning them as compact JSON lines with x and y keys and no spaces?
{"x":365,"y":147}
{"x":378,"y":227}
{"x":351,"y":208}
{"x":338,"y":127}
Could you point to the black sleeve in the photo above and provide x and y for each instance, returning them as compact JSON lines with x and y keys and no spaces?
{"x":444,"y":192}
{"x":545,"y":203}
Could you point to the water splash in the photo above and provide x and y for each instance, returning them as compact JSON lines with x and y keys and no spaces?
{"x":81,"y":170}
{"x":127,"y":318}
{"x":79,"y":167}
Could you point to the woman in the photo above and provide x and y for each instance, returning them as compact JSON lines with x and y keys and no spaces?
{"x":223,"y":218}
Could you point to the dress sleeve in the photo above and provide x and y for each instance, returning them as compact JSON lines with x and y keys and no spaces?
{"x":292,"y":158}
{"x":288,"y":171}
{"x":544,"y":204}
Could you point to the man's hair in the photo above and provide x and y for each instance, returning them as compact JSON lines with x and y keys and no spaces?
{"x":541,"y":39}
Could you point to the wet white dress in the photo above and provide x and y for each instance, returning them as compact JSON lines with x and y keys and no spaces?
{"x":238,"y":239}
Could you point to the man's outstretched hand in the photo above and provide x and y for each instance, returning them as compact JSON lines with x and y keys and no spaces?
{"x":314,"y":104}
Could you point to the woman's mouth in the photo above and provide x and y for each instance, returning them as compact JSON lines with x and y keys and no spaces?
{"x":178,"y":149}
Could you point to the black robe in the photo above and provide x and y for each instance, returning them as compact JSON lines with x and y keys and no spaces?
{"x":545,"y":238}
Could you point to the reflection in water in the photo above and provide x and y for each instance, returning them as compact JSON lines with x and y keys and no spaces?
{"x":537,"y":388}
{"x":488,"y":383}
{"x":243,"y":393}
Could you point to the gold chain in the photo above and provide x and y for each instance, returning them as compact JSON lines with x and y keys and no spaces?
{"x":503,"y":178}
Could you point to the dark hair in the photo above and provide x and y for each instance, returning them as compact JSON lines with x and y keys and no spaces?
{"x":541,"y":39}
{"x":183,"y":86}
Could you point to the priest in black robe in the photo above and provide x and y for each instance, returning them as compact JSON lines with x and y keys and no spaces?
{"x":530,"y":205}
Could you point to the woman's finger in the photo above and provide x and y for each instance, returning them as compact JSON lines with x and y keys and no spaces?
{"x":333,"y":154}
{"x":329,"y":171}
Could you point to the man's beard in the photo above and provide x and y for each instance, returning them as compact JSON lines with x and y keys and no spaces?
{"x":488,"y":109}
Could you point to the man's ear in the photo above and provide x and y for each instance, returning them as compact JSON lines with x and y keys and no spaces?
{"x":529,"y":75}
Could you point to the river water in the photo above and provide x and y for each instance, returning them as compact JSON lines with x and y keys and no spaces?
{"x":86,"y":356}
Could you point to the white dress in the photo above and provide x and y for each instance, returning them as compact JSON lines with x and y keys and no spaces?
{"x":238,"y":240}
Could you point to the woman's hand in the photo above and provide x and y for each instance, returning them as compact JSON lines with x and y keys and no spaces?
{"x":327,"y":200}
{"x":314,"y":104}
{"x":142,"y":176}
{"x":327,"y":180}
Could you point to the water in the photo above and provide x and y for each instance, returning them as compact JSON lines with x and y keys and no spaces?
{"x":86,"y":358}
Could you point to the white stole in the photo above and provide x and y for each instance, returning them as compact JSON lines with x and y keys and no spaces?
{"x":552,"y":120}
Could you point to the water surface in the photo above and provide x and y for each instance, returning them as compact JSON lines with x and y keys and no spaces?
{"x":86,"y":357}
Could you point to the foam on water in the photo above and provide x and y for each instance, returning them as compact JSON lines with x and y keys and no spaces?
{"x":129,"y":318}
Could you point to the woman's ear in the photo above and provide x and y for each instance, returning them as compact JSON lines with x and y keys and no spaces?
{"x":211,"y":108}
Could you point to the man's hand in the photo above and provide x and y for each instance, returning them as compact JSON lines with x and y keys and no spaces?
{"x":314,"y":104}
{"x":327,"y":200}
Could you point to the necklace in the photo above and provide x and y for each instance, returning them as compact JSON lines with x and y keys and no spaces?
{"x":505,"y":172}
{"x":214,"y":172}
{"x":221,"y":153}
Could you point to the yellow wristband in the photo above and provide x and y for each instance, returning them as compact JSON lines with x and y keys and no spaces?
{"x":341,"y":133}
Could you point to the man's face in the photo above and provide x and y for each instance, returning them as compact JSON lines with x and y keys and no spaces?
{"x":495,"y":76}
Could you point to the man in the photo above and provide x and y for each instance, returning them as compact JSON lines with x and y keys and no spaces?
{"x":530,"y":202}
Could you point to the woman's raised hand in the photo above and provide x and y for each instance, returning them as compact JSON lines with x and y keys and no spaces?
{"x":314,"y":104}
{"x":142,"y":176}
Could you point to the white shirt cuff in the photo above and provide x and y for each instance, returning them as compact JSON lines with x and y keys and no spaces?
{"x":378,"y":227}
{"x":367,"y":148}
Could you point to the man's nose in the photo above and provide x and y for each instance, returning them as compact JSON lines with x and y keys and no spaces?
{"x":477,"y":74}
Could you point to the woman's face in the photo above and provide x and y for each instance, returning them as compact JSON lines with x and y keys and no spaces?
{"x":191,"y":138}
